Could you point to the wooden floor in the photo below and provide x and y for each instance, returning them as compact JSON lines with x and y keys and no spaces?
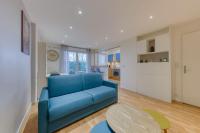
{"x":183,"y":118}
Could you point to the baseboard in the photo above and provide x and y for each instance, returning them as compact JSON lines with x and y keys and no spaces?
{"x":24,"y":120}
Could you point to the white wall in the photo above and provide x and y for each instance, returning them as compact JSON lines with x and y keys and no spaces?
{"x":113,"y":51}
{"x":34,"y":47}
{"x":128,"y":64}
{"x":15,"y":86}
{"x":128,"y":59}
{"x":53,"y":66}
{"x":41,"y":67}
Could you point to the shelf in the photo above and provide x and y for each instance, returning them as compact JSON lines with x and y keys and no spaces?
{"x":153,"y":62}
{"x":148,"y":53}
{"x":153,"y":57}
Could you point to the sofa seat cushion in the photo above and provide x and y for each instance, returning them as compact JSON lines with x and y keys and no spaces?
{"x":101,"y":93}
{"x":64,"y":105}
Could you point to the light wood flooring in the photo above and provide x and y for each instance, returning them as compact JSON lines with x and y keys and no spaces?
{"x":183,"y":118}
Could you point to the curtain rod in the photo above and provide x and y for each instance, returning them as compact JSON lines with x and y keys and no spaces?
{"x":113,"y":48}
{"x":75,"y":47}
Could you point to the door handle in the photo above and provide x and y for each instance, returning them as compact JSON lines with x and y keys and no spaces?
{"x":185,"y":69}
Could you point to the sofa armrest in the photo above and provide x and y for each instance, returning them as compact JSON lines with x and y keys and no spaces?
{"x":110,"y":84}
{"x":43,"y":106}
{"x":44,"y":96}
{"x":113,"y":85}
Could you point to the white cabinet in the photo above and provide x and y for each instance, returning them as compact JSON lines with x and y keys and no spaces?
{"x":162,"y":43}
{"x":141,"y":47}
{"x":154,"y":80}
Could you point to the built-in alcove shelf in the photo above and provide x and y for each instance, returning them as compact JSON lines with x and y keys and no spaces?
{"x":153,"y":57}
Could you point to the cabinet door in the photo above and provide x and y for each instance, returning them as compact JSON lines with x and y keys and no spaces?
{"x":162,"y":43}
{"x":154,"y":80}
{"x":141,"y":47}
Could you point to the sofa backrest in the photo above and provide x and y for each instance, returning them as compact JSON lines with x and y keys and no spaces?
{"x":65,"y":84}
{"x":91,"y":80}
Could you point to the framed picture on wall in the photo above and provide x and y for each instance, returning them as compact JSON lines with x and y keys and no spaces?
{"x":25,"y":34}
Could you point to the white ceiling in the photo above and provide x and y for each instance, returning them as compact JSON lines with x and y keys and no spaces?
{"x":105,"y":18}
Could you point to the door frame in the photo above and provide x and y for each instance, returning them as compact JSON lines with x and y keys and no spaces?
{"x":181,"y":62}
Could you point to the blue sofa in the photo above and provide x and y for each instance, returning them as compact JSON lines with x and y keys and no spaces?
{"x":71,"y":97}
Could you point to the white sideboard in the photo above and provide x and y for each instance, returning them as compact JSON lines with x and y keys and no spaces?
{"x":154,"y":76}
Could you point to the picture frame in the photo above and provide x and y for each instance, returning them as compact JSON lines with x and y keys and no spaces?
{"x":25,"y":34}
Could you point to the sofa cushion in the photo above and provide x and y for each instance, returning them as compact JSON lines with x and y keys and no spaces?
{"x":92,"y":80}
{"x":101,"y":93}
{"x":65,"y":84}
{"x":67,"y":104}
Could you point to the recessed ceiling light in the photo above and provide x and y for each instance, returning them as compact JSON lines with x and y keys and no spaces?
{"x":66,"y":36}
{"x":71,"y":27}
{"x":150,"y":17}
{"x":122,"y":31}
{"x":80,"y":12}
{"x":106,"y":38}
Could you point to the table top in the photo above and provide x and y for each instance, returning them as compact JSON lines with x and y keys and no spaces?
{"x":125,"y":119}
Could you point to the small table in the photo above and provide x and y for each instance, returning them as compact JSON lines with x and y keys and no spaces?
{"x":160,"y":119}
{"x":125,"y":119}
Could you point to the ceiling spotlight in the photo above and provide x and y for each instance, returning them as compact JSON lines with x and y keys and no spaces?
{"x":80,"y":12}
{"x":150,"y":17}
{"x":71,"y":27}
{"x":122,"y":31}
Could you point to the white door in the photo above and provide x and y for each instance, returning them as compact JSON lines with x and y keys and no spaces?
{"x":191,"y":68}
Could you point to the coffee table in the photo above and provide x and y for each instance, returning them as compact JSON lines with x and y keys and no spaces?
{"x":125,"y":119}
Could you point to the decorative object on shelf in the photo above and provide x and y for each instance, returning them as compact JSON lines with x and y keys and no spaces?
{"x":152,"y":49}
{"x":52,"y":55}
{"x":151,"y":45}
{"x":165,"y":60}
{"x":153,"y":57}
{"x":25,"y":34}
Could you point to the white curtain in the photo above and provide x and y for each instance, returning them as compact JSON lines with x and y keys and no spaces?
{"x":89,"y":60}
{"x":64,"y":59}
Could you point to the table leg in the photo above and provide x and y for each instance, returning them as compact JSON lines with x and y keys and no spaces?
{"x":165,"y":130}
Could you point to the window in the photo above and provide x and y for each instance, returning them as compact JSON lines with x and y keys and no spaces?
{"x":72,"y":62}
{"x":76,"y":62}
{"x":102,"y":60}
{"x":82,"y":62}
